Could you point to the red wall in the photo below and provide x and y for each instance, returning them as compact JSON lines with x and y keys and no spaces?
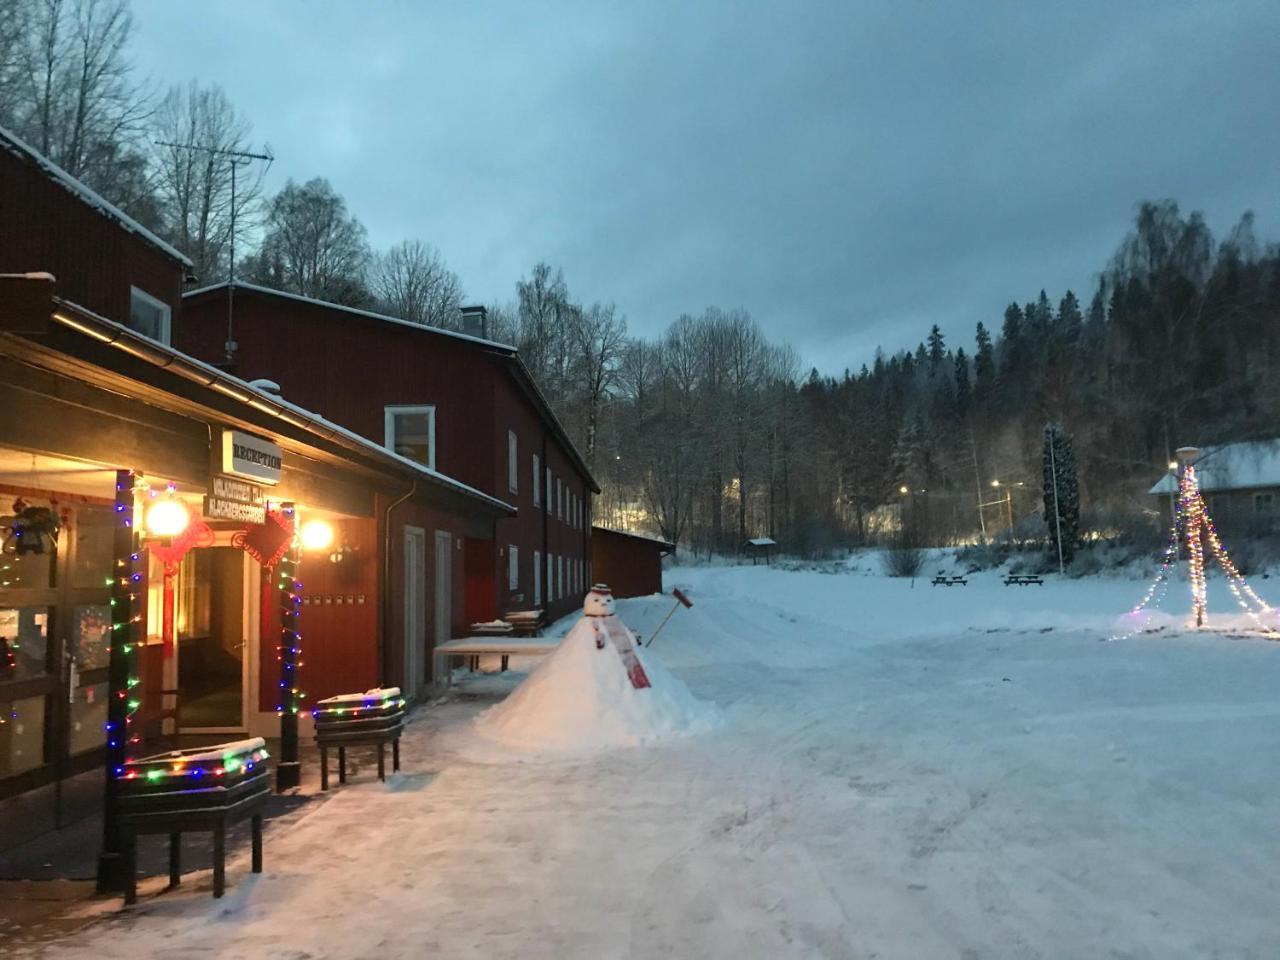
{"x":45,"y":227}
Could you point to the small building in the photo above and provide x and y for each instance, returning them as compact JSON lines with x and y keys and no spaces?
{"x":1240,"y":483}
{"x":630,"y":563}
{"x":759,"y":547}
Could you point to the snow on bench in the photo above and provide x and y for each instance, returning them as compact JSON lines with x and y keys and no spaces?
{"x":508,"y":646}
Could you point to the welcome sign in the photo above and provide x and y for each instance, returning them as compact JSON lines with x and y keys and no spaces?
{"x":244,"y":455}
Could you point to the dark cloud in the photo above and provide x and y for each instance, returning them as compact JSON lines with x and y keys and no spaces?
{"x":849,"y":173}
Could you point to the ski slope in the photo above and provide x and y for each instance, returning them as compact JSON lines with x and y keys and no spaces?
{"x":903,"y":772}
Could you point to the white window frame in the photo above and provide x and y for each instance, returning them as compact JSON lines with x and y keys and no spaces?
{"x":166,"y":312}
{"x":557,"y":509}
{"x":563,"y":591}
{"x":537,"y":577}
{"x":389,"y":414}
{"x":513,"y":462}
{"x":547,"y":499}
{"x":537,"y":481}
{"x":513,"y":567}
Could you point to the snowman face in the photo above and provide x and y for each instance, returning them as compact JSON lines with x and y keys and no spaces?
{"x":599,"y":603}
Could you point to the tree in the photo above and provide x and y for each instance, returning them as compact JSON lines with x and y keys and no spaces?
{"x":964,"y":393}
{"x":193,"y":180}
{"x":411,"y":281}
{"x":69,"y":92}
{"x":937,"y":350}
{"x":312,"y":246}
{"x":1061,"y":491}
{"x":600,"y":335}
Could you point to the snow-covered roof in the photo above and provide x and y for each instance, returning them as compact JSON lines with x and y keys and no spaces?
{"x":263,"y":400}
{"x":596,"y":528}
{"x":370,"y":314}
{"x":762,"y":542}
{"x":16,"y":145}
{"x":1232,"y":466}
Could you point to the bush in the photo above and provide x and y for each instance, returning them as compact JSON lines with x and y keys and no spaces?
{"x":903,"y":561}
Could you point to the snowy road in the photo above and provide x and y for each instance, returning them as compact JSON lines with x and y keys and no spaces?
{"x":907,"y":773}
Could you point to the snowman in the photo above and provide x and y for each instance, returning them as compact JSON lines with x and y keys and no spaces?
{"x":598,"y":607}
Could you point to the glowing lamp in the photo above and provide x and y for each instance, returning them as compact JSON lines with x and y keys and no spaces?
{"x":902,"y":490}
{"x":167,"y":517}
{"x":316,"y":535}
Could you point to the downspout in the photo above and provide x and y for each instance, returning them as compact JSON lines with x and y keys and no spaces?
{"x":386,"y":582}
{"x":546,"y":512}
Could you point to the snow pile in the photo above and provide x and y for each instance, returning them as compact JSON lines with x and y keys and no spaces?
{"x":580,"y":700}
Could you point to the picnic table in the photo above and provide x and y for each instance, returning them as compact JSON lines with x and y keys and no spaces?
{"x":942,"y":580}
{"x":1023,"y":579}
{"x":478,"y":646}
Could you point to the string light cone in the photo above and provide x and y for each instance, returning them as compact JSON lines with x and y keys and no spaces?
{"x":1192,"y":527}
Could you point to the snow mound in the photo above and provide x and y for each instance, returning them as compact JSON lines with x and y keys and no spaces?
{"x":579,"y":700}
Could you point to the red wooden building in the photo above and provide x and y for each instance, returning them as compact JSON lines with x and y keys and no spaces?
{"x":460,"y":404}
{"x":630,"y":563}
{"x":89,"y":386}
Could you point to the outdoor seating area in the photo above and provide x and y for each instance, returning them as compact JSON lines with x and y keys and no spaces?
{"x":1023,"y":580}
{"x":942,"y":580}
{"x":475,"y":647}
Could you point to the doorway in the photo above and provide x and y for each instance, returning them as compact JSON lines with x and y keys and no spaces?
{"x":444,"y":586}
{"x":415,"y":612}
{"x":213,"y":630}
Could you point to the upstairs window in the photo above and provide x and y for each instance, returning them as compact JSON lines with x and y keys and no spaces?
{"x":148,"y":316}
{"x":513,"y":567}
{"x":537,"y":482}
{"x":548,"y":497}
{"x":411,"y":432}
{"x":513,"y":467}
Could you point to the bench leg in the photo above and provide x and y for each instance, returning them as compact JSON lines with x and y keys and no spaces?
{"x":342,"y":764}
{"x":175,"y":858}
{"x":324,"y":768}
{"x":129,"y":842}
{"x":257,"y":842}
{"x":382,"y":762}
{"x":395,"y":754}
{"x":220,"y":859}
{"x":504,"y":663}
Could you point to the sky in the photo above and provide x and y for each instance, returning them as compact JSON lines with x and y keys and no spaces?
{"x":849,"y":173}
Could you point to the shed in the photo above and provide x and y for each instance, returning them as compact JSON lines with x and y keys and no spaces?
{"x":758,"y":547}
{"x":1240,"y":482}
{"x":630,"y":563}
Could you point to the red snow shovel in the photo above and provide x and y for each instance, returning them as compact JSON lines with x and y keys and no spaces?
{"x":680,"y":599}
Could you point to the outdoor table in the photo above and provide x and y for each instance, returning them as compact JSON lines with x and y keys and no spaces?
{"x":373,"y":718}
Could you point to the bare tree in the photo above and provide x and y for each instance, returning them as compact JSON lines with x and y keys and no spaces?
{"x":543,"y":309}
{"x":313,"y":246}
{"x":72,"y":95}
{"x":411,"y":281}
{"x":194,"y":185}
{"x":600,"y":334}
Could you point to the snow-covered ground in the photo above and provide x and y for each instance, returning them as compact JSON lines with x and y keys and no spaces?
{"x":905,"y":772}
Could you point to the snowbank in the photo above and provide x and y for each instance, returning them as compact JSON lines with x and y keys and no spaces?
{"x":579,"y":700}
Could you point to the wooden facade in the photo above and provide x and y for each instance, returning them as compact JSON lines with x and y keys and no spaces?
{"x":350,"y":365}
{"x":629,"y":563}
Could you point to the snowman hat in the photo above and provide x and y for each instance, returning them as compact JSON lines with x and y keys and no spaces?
{"x":601,"y":588}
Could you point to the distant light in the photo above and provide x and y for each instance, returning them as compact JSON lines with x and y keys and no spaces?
{"x":317,"y":535}
{"x":903,"y":490}
{"x":995,"y":483}
{"x":167,"y":517}
{"x":1173,"y":464}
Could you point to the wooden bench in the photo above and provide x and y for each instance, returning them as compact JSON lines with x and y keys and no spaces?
{"x":527,"y":623}
{"x":1023,"y":579}
{"x":944,"y":581}
{"x":512,"y":646}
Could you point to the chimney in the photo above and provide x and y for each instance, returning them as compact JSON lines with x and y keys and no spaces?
{"x":475,"y":322}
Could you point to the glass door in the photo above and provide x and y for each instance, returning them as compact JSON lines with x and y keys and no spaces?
{"x":213,"y":627}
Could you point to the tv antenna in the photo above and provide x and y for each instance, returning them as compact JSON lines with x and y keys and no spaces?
{"x":233,"y":159}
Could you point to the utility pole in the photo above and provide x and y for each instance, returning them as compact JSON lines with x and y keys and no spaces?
{"x":1057,"y":514}
{"x":234,"y":159}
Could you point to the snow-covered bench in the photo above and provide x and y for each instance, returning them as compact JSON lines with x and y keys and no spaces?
{"x":511,"y":646}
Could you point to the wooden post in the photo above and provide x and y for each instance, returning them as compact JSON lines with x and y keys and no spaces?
{"x":114,"y":862}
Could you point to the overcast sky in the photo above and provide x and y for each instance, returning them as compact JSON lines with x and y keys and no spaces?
{"x":850,"y":173}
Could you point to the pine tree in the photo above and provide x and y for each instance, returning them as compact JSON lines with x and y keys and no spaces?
{"x":984,"y":366}
{"x":1060,"y":463}
{"x":937,"y":350}
{"x":1070,"y":321}
{"x":964,"y":393}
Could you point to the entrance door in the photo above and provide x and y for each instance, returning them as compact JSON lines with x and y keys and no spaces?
{"x":213,"y":630}
{"x":444,"y":586}
{"x":415,"y":612}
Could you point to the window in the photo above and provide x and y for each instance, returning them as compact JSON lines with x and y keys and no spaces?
{"x":537,"y":482}
{"x":558,"y":507}
{"x":513,"y":467}
{"x":1263,"y":503}
{"x":548,"y":489}
{"x":537,"y":577}
{"x":411,"y":432}
{"x":513,"y":567}
{"x":148,"y":316}
{"x":560,"y":577}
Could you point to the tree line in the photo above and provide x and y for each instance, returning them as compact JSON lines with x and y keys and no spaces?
{"x":710,"y":432}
